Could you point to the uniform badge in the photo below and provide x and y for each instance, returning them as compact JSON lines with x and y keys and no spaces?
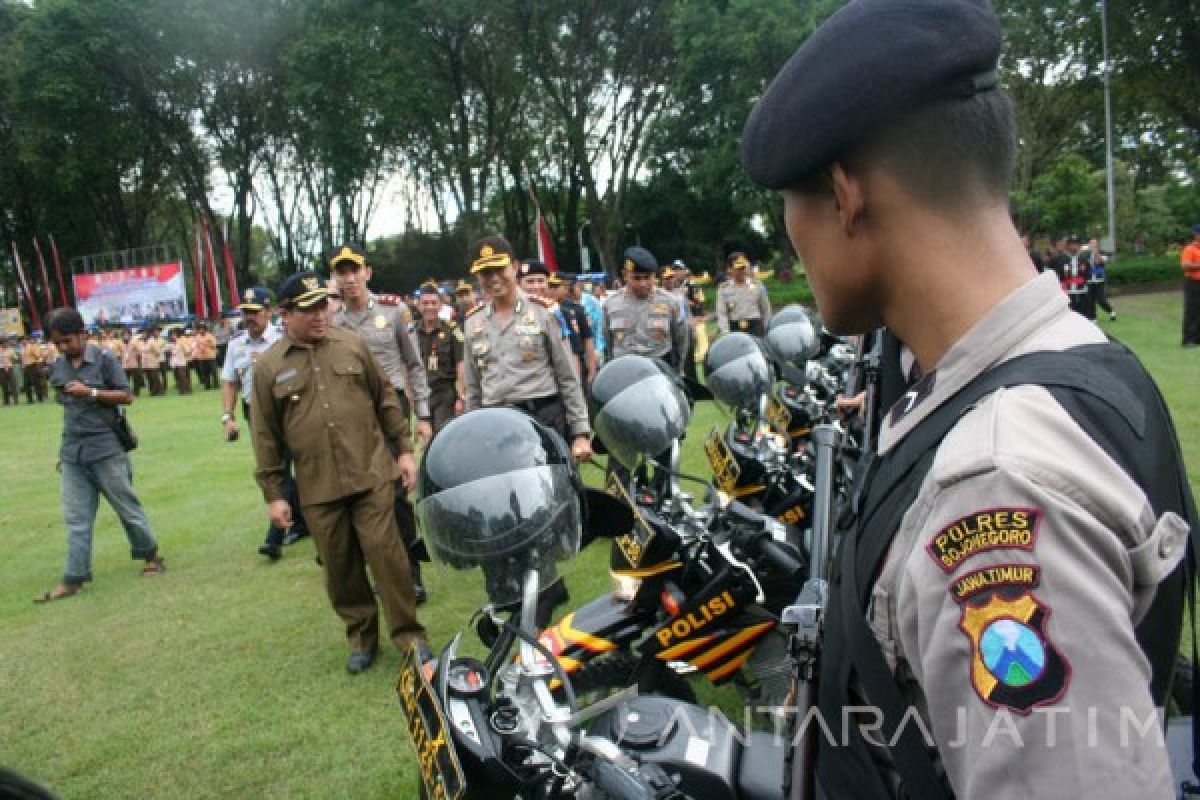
{"x":981,"y":531}
{"x":458,"y":334}
{"x":659,"y":308}
{"x":526,"y":341}
{"x":433,"y":362}
{"x":619,"y":336}
{"x":912,"y":398}
{"x":441,"y":334}
{"x":1013,"y":663}
{"x":529,"y":318}
{"x":743,"y":325}
{"x":380,"y":321}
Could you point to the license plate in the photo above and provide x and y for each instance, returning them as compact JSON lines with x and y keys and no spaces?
{"x":725,"y":469}
{"x":634,"y":544}
{"x":438,"y":764}
{"x":778,"y":417}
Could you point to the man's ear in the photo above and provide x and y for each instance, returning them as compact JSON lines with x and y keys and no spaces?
{"x":849,"y":198}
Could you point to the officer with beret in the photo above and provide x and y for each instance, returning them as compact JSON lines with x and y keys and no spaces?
{"x":384,"y":326}
{"x":742,"y":303}
{"x":441,"y":346}
{"x":237,"y":376}
{"x":1000,"y":559}
{"x":320,"y":393}
{"x":642,"y":318}
{"x":517,"y":356}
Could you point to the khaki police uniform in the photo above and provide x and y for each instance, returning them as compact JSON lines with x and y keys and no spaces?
{"x":33,"y":364}
{"x":385,"y":330}
{"x":524,"y":362}
{"x":330,"y":405}
{"x":205,"y":357}
{"x":441,"y":353}
{"x":1023,"y":517}
{"x":130,"y":363}
{"x":653,"y":327}
{"x":149,"y":352}
{"x":743,"y":307}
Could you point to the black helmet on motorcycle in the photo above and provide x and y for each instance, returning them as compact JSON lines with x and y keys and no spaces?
{"x":498,"y":489}
{"x":641,"y":406}
{"x":736,"y":372}
{"x":792,"y":338}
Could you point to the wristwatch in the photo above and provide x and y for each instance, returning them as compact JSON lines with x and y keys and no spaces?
{"x":95,"y":393}
{"x":226,"y":417}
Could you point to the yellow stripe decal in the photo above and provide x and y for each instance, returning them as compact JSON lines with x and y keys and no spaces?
{"x":742,"y":491}
{"x":714,"y":655}
{"x":729,"y":667}
{"x":593,"y":643}
{"x":646,"y":572}
{"x":683,"y":648}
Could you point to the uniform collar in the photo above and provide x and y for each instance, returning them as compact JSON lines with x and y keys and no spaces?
{"x":517,"y":309}
{"x":994,"y":338}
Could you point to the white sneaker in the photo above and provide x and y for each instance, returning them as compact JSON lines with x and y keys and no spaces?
{"x":1112,"y":315}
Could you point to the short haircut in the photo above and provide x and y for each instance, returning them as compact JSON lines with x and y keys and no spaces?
{"x":65,"y":320}
{"x":952,"y":155}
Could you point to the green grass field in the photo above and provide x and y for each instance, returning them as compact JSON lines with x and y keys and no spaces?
{"x":224,"y":677}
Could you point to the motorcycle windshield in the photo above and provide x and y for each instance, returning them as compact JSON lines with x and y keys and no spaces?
{"x":741,"y":383}
{"x":642,"y":419}
{"x":524,"y":518}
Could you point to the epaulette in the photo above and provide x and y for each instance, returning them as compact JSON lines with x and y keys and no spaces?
{"x":450,"y":323}
{"x":475,"y":309}
{"x":389,"y":299}
{"x":549,"y":305}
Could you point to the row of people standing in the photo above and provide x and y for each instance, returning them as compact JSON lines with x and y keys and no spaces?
{"x":25,"y":365}
{"x":1082,"y":272}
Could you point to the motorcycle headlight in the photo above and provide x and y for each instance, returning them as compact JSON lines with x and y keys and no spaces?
{"x":625,"y":586}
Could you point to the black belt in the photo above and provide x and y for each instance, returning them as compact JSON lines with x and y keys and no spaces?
{"x":536,"y":404}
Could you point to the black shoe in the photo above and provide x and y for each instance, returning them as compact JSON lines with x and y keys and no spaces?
{"x":294,"y":536}
{"x":420,"y":592}
{"x":360,"y":661}
{"x":271,"y":551}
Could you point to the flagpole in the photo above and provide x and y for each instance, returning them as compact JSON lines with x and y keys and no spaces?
{"x":34,"y":317}
{"x":214,"y":281}
{"x":198,"y":277}
{"x":62,"y":287}
{"x":37,"y":248}
{"x":230,"y":275}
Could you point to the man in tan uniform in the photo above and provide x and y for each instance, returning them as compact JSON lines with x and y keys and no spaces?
{"x":319,"y":393}
{"x":1001,"y":563}
{"x":149,"y":353}
{"x":204,"y":355}
{"x":8,"y":386}
{"x":516,"y":356}
{"x":642,"y":319}
{"x":742,"y":303}
{"x":33,"y":365}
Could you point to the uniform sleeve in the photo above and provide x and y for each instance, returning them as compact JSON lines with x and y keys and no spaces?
{"x":383,"y":395}
{"x":474,"y":398}
{"x":266,"y":429}
{"x":228,"y":372}
{"x":764,"y":304}
{"x":568,"y":385}
{"x":1017,"y":607}
{"x":410,"y":354}
{"x":114,"y":375}
{"x":679,"y":336}
{"x":722,"y":314}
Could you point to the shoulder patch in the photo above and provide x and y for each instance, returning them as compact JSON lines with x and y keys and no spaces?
{"x":475,"y":309}
{"x":981,"y":531}
{"x":389,"y":300}
{"x":1014,"y":664}
{"x":549,"y":305}
{"x":450,"y":323}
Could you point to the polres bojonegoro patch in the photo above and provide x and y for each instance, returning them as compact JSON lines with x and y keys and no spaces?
{"x":982,"y":531}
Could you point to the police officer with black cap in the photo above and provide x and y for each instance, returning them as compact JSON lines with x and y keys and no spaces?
{"x":1008,"y":555}
{"x":441,"y":345}
{"x":642,"y":319}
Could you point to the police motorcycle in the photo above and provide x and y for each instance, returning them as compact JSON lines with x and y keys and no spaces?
{"x":497,"y":490}
{"x":693,"y":591}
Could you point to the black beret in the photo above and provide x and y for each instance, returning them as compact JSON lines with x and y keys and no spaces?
{"x":639,"y":259}
{"x":534,"y":267}
{"x":302,"y":290}
{"x":870,"y":62}
{"x":491,"y":252}
{"x":349,"y":254}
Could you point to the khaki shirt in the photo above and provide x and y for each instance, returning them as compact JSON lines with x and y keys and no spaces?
{"x":652,"y":327}
{"x":523,"y":358}
{"x":6,"y":357}
{"x":32,"y":354}
{"x":129,"y":354}
{"x":385,"y":330}
{"x":149,"y":350}
{"x":205,"y":347}
{"x":331,"y":406}
{"x":741,"y":302}
{"x":441,"y":353}
{"x":1087,"y":553}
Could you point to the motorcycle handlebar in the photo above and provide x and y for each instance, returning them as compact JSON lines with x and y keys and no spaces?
{"x":752,"y":534}
{"x":779,"y":557}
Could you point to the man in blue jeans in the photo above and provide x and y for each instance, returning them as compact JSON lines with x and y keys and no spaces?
{"x":90,"y":385}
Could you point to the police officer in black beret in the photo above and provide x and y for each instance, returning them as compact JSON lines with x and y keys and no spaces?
{"x":992,"y":570}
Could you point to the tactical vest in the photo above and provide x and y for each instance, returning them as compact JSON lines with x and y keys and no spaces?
{"x":1110,"y":396}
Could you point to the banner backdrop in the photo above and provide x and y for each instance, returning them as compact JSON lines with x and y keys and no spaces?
{"x":132,"y":296}
{"x":11,"y":323}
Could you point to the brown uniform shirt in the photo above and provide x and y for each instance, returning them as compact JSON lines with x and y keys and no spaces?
{"x":331,"y":406}
{"x":32,"y":354}
{"x":205,"y":347}
{"x":441,"y":353}
{"x":149,"y":351}
{"x":6,"y":356}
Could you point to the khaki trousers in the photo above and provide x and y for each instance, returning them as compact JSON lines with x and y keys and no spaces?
{"x":351,"y":534}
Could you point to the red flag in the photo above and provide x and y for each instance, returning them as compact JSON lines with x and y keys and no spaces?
{"x":214,"y":282}
{"x":37,"y":248}
{"x":230,"y":276}
{"x":545,"y":244}
{"x":33,"y":312}
{"x":198,"y":278}
{"x":62,"y":287}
